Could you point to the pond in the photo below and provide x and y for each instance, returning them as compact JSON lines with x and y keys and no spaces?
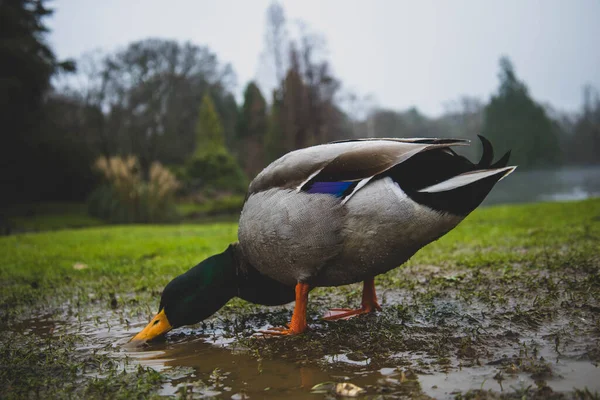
{"x":571,"y":183}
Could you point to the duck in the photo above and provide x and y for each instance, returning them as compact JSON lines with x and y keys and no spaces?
{"x":330,"y":215}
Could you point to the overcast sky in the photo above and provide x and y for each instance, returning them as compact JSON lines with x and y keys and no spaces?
{"x":421,"y":53}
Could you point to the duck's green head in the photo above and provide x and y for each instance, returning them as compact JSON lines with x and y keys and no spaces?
{"x":204,"y":289}
{"x":194,"y":295}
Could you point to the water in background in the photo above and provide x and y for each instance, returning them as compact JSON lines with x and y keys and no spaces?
{"x":572,"y":183}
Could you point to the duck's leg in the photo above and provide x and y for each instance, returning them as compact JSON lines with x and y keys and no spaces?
{"x":369,"y":304}
{"x":298,"y":324}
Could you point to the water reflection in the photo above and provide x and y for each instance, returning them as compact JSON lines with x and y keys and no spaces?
{"x":201,"y":366}
{"x":227,"y":369}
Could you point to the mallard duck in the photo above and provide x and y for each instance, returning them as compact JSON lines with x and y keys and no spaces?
{"x":332,"y":215}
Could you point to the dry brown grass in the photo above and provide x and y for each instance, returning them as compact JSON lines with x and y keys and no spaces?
{"x":133,"y":198}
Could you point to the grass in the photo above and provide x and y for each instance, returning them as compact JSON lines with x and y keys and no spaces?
{"x":46,"y":217}
{"x":44,"y":368}
{"x":126,"y":260}
{"x":225,"y":205}
{"x":524,"y":271}
{"x":51,"y":216}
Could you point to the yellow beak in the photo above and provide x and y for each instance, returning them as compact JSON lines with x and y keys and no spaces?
{"x":157,"y":327}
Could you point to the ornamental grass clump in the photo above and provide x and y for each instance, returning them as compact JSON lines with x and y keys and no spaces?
{"x":126,"y":196}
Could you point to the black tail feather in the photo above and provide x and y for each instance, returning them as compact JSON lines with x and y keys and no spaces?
{"x":488,"y":153}
{"x":461,"y":200}
{"x":431,"y":167}
{"x":503,"y":162}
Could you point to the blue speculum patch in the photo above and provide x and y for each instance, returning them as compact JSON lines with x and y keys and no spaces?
{"x":334,"y":188}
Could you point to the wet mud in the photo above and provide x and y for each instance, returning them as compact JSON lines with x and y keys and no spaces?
{"x":444,"y":348}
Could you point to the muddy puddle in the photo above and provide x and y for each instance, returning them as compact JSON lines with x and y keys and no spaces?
{"x":450,"y":349}
{"x":226,"y":371}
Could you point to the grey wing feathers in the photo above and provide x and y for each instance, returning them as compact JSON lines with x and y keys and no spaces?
{"x":290,"y":236}
{"x":343,"y":161}
{"x":447,"y":141}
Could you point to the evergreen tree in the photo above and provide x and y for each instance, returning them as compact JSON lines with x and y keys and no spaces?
{"x":513,"y":120}
{"x":26,"y":65}
{"x":227,"y":109}
{"x":212,"y":167}
{"x":209,"y":131}
{"x":253,"y":118}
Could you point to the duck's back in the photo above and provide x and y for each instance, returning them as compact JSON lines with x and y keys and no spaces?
{"x":340,"y":213}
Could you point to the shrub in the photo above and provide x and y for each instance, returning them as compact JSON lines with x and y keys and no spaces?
{"x":223,"y":205}
{"x":126,"y":197}
{"x":216,"y":170}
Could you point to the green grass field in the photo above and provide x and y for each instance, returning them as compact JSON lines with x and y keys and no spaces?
{"x":532,"y":265}
{"x":46,"y":217}
{"x":50,"y":216}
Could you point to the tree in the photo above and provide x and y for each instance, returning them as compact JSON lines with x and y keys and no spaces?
{"x":148,"y":95}
{"x":295,"y":107}
{"x":209,"y":131}
{"x":321,"y":88}
{"x":276,"y":39}
{"x":156,"y":87}
{"x":304,"y":108}
{"x":252,"y":129}
{"x":513,"y":120}
{"x":309,"y":114}
{"x":358,"y":109}
{"x":585,"y":142}
{"x":27,"y":63}
{"x":463,"y":119}
{"x":212,"y":167}
{"x":90,"y":96}
{"x":275,"y":139}
{"x":69,"y":153}
{"x":227,"y":108}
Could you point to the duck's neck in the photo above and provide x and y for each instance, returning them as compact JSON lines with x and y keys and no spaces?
{"x":232,"y":275}
{"x":255,"y":287}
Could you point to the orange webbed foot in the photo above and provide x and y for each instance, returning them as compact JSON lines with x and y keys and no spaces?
{"x":369,"y":304}
{"x":280,"y":331}
{"x":346,"y":313}
{"x":298,"y":324}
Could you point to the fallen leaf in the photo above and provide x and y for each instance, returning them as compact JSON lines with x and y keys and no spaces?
{"x":345,"y":389}
{"x":348,"y":389}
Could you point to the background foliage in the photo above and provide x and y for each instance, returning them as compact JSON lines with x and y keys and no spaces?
{"x":170,"y":102}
